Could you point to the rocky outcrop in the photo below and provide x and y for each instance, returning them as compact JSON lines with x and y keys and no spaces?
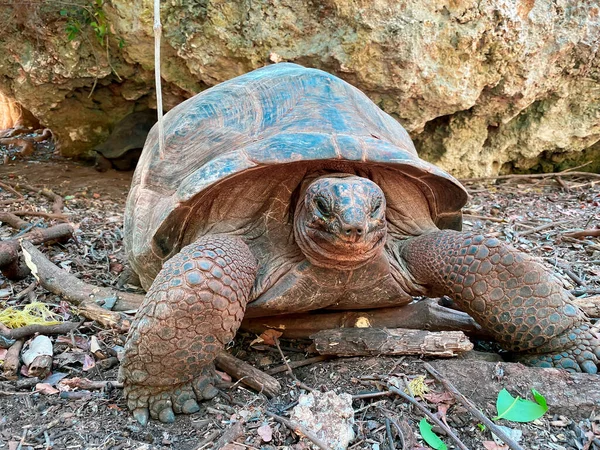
{"x":482,"y":86}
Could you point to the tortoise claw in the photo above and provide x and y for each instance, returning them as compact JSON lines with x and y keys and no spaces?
{"x":190,"y":406}
{"x":166,"y":415}
{"x":141,"y":415}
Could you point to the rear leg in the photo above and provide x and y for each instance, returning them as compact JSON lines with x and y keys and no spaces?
{"x":192,"y":310}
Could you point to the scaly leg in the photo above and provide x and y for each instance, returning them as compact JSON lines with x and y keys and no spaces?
{"x":192,"y":310}
{"x":508,"y":293}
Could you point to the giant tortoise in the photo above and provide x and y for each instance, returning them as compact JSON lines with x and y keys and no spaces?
{"x":288,"y":190}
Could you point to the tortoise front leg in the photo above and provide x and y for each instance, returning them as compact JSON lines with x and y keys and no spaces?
{"x":192,"y":310}
{"x":508,"y":293}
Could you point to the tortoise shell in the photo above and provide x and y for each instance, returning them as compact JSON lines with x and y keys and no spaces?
{"x":234,"y":141}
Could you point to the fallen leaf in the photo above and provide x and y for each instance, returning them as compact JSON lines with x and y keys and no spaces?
{"x":518,"y":409}
{"x":265,"y":432}
{"x":440,"y":397}
{"x":96,"y":195}
{"x":80,"y":341}
{"x":269,"y":336}
{"x":46,"y":389}
{"x":430,"y":437}
{"x":88,"y":362}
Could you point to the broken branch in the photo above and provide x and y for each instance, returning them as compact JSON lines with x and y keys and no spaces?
{"x":250,"y":376}
{"x":30,"y":330}
{"x":393,"y":341}
{"x":75,"y":291}
{"x":9,"y":249}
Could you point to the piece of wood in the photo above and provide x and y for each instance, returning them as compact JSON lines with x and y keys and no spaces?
{"x":9,"y":249}
{"x":589,"y":305}
{"x":30,"y":330}
{"x":594,"y":232}
{"x":422,"y":315}
{"x":13,"y":360}
{"x":41,"y":366}
{"x":472,"y":408}
{"x":390,"y":341}
{"x":248,"y":375}
{"x":575,"y":395}
{"x":14,"y":221}
{"x":75,"y":291}
{"x":532,"y":176}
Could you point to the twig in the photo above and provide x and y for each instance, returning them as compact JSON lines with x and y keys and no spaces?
{"x":388,"y":430}
{"x":567,"y":270}
{"x":299,"y":429}
{"x":76,"y":291}
{"x":472,"y":408}
{"x":57,"y":200}
{"x":540,"y":228}
{"x":296,"y":364}
{"x":491,"y":219}
{"x":12,"y":220}
{"x":248,"y":374}
{"x":27,"y":290}
{"x":371,"y":395}
{"x":10,"y":189}
{"x":594,"y":232}
{"x":285,"y":361}
{"x":428,"y":413}
{"x":532,"y":175}
{"x":398,"y":430}
{"x":40,"y":214}
{"x":30,"y":330}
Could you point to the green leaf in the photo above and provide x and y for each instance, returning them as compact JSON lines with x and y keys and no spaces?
{"x":63,"y":12}
{"x":518,"y":409}
{"x":430,"y":437}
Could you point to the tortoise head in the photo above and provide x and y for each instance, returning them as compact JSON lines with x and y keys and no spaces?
{"x":340,"y":221}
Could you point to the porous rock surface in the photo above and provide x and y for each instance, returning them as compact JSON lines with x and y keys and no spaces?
{"x":482,"y":86}
{"x":329,"y":416}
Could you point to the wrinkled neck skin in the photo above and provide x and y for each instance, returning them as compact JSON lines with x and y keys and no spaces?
{"x":339,"y":221}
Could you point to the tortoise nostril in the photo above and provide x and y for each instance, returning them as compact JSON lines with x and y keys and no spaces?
{"x":353,"y":231}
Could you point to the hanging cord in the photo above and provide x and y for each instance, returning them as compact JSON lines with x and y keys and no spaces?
{"x":157,"y":80}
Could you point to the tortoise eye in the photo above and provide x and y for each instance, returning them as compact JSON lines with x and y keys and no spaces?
{"x":376,"y":208}
{"x":322,"y":206}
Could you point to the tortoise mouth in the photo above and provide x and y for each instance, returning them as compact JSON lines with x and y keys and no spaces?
{"x":332,"y":250}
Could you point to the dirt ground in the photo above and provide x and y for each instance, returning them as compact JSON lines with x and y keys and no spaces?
{"x":533,"y":214}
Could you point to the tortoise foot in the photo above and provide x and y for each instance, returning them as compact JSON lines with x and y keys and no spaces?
{"x":580,"y":351}
{"x":163,"y":402}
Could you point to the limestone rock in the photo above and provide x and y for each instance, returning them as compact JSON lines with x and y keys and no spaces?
{"x":482,"y":86}
{"x":328,"y":415}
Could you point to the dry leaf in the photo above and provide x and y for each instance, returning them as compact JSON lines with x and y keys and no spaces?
{"x":88,"y":362}
{"x":46,"y":388}
{"x":269,"y":336}
{"x":443,"y":397}
{"x":265,"y":432}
